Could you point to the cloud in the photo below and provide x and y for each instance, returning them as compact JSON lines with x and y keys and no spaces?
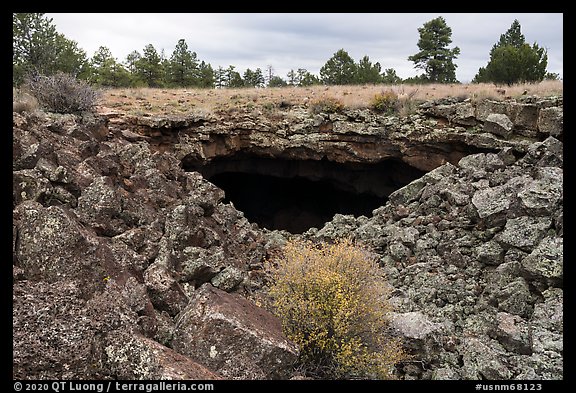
{"x":299,"y":40}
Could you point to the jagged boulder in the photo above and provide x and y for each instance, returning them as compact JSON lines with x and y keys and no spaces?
{"x":483,"y":360}
{"x":132,"y":356}
{"x":462,"y":113}
{"x":52,"y":334}
{"x":513,"y":332}
{"x":551,"y":121}
{"x":233,"y":336}
{"x":498,"y":124}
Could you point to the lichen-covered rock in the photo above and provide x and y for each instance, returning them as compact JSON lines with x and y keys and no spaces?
{"x":526,"y":119}
{"x":462,"y":113}
{"x":53,"y":246}
{"x":483,"y":361}
{"x":102,"y":231}
{"x":542,"y":195}
{"x":490,"y":253}
{"x":551,"y":121}
{"x":547,"y":323}
{"x":411,"y":191}
{"x":492,"y":204}
{"x":498,"y":124}
{"x":30,"y":185}
{"x":232,"y":336}
{"x":485,"y":108}
{"x":228,"y":278}
{"x":514,"y":333}
{"x":165,"y":291}
{"x":100,"y":206}
{"x":548,"y":153}
{"x":416,"y":330}
{"x":478,"y":166}
{"x":52,"y":334}
{"x":546,"y":261}
{"x":135,"y":357}
{"x":524,"y":232}
{"x":479,"y":247}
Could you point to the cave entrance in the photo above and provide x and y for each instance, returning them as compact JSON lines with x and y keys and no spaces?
{"x":296,"y":195}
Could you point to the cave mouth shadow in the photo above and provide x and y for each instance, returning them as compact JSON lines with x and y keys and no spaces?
{"x":296,"y":195}
{"x":293,"y":204}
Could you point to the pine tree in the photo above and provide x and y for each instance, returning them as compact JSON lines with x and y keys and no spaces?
{"x":390,"y":77}
{"x":366,"y":72}
{"x":220,"y":77}
{"x":233,"y":78}
{"x":253,"y":78}
{"x":70,"y":59}
{"x":277,"y":81}
{"x":306,"y":78}
{"x":435,"y":58}
{"x":206,"y":74}
{"x":513,"y":36}
{"x":292,"y":78}
{"x":132,"y":59}
{"x":340,"y":69}
{"x":106,"y":71}
{"x":183,"y":66}
{"x":149,"y":67}
{"x":300,"y":75}
{"x":38,"y":47}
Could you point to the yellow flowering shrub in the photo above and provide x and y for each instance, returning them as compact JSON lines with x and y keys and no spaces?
{"x":326,"y":105}
{"x":333,"y":303}
{"x":386,"y":101}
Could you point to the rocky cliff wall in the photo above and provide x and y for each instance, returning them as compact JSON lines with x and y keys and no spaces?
{"x":438,"y":132}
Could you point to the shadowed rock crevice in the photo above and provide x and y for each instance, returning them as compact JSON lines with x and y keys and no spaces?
{"x":296,"y":195}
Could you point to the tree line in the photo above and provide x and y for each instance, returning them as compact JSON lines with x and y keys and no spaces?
{"x":39,"y":48}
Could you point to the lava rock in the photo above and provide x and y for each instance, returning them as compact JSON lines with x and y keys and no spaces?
{"x":233,"y":337}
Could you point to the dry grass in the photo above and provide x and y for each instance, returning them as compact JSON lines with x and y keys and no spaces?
{"x":186,"y":101}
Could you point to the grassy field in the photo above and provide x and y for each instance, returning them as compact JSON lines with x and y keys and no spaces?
{"x":185,"y":101}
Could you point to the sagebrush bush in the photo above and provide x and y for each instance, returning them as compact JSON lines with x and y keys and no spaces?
{"x":386,"y":101}
{"x":332,"y":300}
{"x":62,"y":93}
{"x":23,"y":102}
{"x":326,"y":105}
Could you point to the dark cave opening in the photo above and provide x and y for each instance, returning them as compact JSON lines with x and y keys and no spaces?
{"x":294,"y":204}
{"x":296,"y":195}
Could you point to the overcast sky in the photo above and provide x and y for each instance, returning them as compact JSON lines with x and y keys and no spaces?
{"x":291,"y":41}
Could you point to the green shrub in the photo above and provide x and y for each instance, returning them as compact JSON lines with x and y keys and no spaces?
{"x":333,"y":302}
{"x":386,"y":101}
{"x":62,"y":93}
{"x":326,"y":105}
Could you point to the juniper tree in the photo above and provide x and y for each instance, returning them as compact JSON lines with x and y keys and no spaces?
{"x":512,"y":60}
